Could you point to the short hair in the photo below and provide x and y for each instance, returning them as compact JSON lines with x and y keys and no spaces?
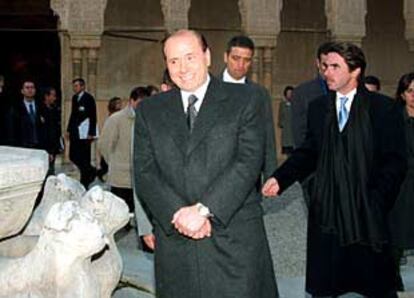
{"x":80,"y":81}
{"x":241,"y":41}
{"x":373,"y":80}
{"x":152,"y":88}
{"x":200,"y":37}
{"x":403,"y":85}
{"x":48,"y":90}
{"x":112,"y":104}
{"x":139,"y":93}
{"x":353,"y":55}
{"x":287,"y":88}
{"x":28,"y":81}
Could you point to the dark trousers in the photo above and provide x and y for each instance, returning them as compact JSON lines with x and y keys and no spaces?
{"x":80,"y":155}
{"x":126,"y":194}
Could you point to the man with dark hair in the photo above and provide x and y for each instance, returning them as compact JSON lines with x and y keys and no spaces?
{"x":198,"y":154}
{"x":372,"y":83}
{"x":355,"y":145}
{"x":50,"y":116}
{"x":26,"y":129}
{"x":285,"y":119}
{"x":238,"y":58}
{"x":82,"y":131}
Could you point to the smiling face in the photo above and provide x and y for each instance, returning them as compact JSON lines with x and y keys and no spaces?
{"x":337,"y":74}
{"x":238,"y":61}
{"x":186,"y":61}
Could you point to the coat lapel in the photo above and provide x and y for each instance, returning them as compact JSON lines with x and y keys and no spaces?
{"x":175,"y":121}
{"x":208,"y":115}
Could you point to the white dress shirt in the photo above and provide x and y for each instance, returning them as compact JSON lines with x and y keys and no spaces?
{"x":199,"y":93}
{"x":228,"y":78}
{"x":350,"y":95}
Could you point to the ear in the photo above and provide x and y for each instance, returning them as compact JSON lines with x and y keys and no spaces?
{"x":225,"y":57}
{"x":207,"y":55}
{"x":356,"y":73}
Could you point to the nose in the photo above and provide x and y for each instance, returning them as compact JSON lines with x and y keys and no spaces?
{"x":183,"y":66}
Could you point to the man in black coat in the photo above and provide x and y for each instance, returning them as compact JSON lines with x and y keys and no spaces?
{"x":50,"y":116}
{"x":238,"y":59}
{"x":26,"y":127}
{"x":82,"y":131}
{"x":355,"y":145}
{"x":198,"y":153}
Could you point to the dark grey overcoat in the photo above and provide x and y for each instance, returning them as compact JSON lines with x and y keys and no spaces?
{"x":217,"y":165}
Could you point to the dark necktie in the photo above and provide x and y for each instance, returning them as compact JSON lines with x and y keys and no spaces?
{"x":32,"y":113}
{"x":191,"y":111}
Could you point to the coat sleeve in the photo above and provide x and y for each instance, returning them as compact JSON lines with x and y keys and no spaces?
{"x":270,"y":160}
{"x":150,"y":185}
{"x":393,"y":163}
{"x":227,"y":193}
{"x":92,"y":115}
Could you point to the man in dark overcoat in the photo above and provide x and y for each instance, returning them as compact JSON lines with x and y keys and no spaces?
{"x":198,"y":153}
{"x":355,"y":146}
{"x":238,"y":58}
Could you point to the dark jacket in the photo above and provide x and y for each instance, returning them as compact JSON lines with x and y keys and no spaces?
{"x":218,"y":165}
{"x":83,"y":108}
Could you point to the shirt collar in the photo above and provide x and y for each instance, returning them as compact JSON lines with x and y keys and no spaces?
{"x":228,"y":78}
{"x":199,"y":93}
{"x":350,"y":95}
{"x":80,"y":94}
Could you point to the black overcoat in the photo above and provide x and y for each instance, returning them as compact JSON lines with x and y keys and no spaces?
{"x":333,"y":269}
{"x":217,"y":165}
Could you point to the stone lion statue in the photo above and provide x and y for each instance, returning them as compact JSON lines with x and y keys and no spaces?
{"x":113,"y":213}
{"x":60,"y":188}
{"x":60,"y":263}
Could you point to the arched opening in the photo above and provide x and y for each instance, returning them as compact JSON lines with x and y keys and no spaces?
{"x":30,"y":46}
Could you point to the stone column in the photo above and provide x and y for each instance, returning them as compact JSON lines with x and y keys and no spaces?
{"x":409,"y":23}
{"x":76,"y":62}
{"x":346,"y":20}
{"x":92,"y":66}
{"x":175,"y":14}
{"x":261,"y":21}
{"x":267,"y":67}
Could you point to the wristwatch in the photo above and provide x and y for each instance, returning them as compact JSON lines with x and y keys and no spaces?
{"x":203,"y":210}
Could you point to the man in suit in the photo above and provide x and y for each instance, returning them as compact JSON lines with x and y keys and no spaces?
{"x":302,"y":96}
{"x":198,"y":154}
{"x":238,"y":59}
{"x":355,"y":145}
{"x":82,"y":131}
{"x":26,"y":123}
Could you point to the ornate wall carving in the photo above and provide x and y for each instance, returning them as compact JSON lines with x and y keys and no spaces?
{"x":409,"y":23}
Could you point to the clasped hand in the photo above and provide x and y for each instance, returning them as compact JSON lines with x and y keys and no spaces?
{"x":189,"y":222}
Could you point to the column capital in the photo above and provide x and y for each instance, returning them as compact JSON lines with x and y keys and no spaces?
{"x":175,"y":14}
{"x":346,"y":19}
{"x":409,"y":23}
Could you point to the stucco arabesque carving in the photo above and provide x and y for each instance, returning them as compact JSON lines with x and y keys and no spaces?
{"x":409,"y":23}
{"x":175,"y":14}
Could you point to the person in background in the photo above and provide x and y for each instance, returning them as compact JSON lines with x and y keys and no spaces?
{"x":372,"y":83}
{"x":152,"y":90}
{"x":401,"y":218}
{"x":284,"y":122}
{"x":114,"y":105}
{"x":115,"y":145}
{"x":238,"y":59}
{"x":166,"y":84}
{"x":50,"y":116}
{"x":81,"y":131}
